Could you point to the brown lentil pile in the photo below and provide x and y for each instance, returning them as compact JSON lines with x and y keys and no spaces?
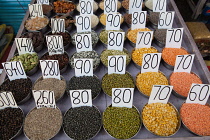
{"x":145,"y":81}
{"x":103,"y":19}
{"x":36,"y":23}
{"x":132,"y":34}
{"x":161,"y":119}
{"x":137,"y":54}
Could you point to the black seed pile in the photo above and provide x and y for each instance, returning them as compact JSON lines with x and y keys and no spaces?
{"x":20,"y":88}
{"x":11,"y":120}
{"x":82,"y":123}
{"x":86,"y":82}
{"x":160,"y":35}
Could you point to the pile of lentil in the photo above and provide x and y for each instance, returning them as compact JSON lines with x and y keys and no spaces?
{"x":196,"y":117}
{"x":145,"y":81}
{"x":110,"y":81}
{"x":82,"y":123}
{"x":132,"y":34}
{"x":121,"y":122}
{"x":161,"y":119}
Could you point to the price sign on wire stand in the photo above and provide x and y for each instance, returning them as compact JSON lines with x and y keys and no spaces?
{"x":35,"y":10}
{"x":174,"y":38}
{"x":50,"y":69}
{"x":24,"y":45}
{"x":81,"y":98}
{"x":110,"y":6}
{"x":113,"y":21}
{"x":7,"y":100}
{"x":135,"y":6}
{"x":55,"y":44}
{"x":57,"y":25}
{"x":116,"y":40}
{"x":83,"y":23}
{"x":159,"y":5}
{"x":166,"y":20}
{"x":43,"y":2}
{"x":144,"y":39}
{"x":160,"y":94}
{"x":138,"y":20}
{"x":199,"y":93}
{"x":117,"y":64}
{"x":83,"y":67}
{"x":86,"y":7}
{"x":122,"y":97}
{"x":83,"y":42}
{"x":44,"y":98}
{"x":184,"y":63}
{"x":14,"y":70}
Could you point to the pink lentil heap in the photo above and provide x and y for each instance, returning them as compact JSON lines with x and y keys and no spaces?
{"x":196,"y":117}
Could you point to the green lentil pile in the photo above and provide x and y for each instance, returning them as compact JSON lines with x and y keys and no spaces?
{"x":110,"y":81}
{"x":121,"y":122}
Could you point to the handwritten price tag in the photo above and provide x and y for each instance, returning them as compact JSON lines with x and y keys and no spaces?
{"x":159,"y":5}
{"x":83,"y":23}
{"x":35,"y":10}
{"x":55,"y":44}
{"x":7,"y":100}
{"x":83,"y":42}
{"x":117,"y":64}
{"x":144,"y":39}
{"x":83,"y":67}
{"x":166,"y":20}
{"x":57,"y":25}
{"x":24,"y":45}
{"x":113,"y":21}
{"x":110,"y":6}
{"x":174,"y":38}
{"x":116,"y":40}
{"x":43,"y":2}
{"x":138,"y":20}
{"x":50,"y":69}
{"x":86,"y":7}
{"x":135,"y":6}
{"x":184,"y":63}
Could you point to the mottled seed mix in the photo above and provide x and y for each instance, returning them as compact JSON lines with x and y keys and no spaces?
{"x":160,"y":35}
{"x":110,"y":81}
{"x":82,"y":123}
{"x":182,"y":81}
{"x":154,"y":17}
{"x":132,"y":34}
{"x":95,"y":6}
{"x":121,"y":122}
{"x":161,"y":119}
{"x":169,"y":54}
{"x":103,"y":19}
{"x":145,"y":81}
{"x":137,"y":54}
{"x":196,"y":117}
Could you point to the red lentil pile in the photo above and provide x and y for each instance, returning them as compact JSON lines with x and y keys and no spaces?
{"x":196,"y":117}
{"x":182,"y":81}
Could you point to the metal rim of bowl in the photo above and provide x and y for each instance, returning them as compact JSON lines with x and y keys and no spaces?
{"x":124,"y":50}
{"x":139,"y":88}
{"x":176,"y":93}
{"x":178,"y":117}
{"x":104,"y":26}
{"x":140,"y":125}
{"x":38,"y":118}
{"x":93,"y":8}
{"x":68,"y":17}
{"x":121,"y":87}
{"x":98,"y":129}
{"x":72,"y":12}
{"x":87,"y":58}
{"x":61,"y":78}
{"x":117,"y":7}
{"x":92,"y":28}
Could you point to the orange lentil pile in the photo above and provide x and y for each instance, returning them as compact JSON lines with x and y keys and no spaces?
{"x":63,"y":6}
{"x":196,"y":117}
{"x":132,"y":34}
{"x":169,"y":54}
{"x":182,"y":81}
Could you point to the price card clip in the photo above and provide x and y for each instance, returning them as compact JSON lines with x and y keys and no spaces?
{"x":83,"y":42}
{"x":86,"y":7}
{"x":174,"y":38}
{"x":113,"y":21}
{"x":83,"y":23}
{"x":55,"y":44}
{"x":43,"y":2}
{"x":117,"y":64}
{"x":116,"y":40}
{"x":159,"y":5}
{"x":24,"y":45}
{"x":35,"y":10}
{"x":135,"y":6}
{"x":184,"y":63}
{"x":110,"y":6}
{"x":139,"y":20}
{"x":7,"y":100}
{"x":144,"y":39}
{"x":166,"y":20}
{"x":83,"y":67}
{"x":57,"y":25}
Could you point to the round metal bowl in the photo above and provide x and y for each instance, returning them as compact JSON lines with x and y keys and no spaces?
{"x":140,"y":125}
{"x":178,"y":116}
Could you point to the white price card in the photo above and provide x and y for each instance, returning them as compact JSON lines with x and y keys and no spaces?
{"x":86,"y":7}
{"x":83,"y":67}
{"x":83,"y":42}
{"x":57,"y":25}
{"x":184,"y":63}
{"x":174,"y":38}
{"x":50,"y":69}
{"x":55,"y":44}
{"x":24,"y":45}
{"x":14,"y":70}
{"x":117,"y":64}
{"x":166,"y":20}
{"x":44,"y":98}
{"x":160,"y":94}
{"x":122,"y":97}
{"x":144,"y":39}
{"x":35,"y":10}
{"x":81,"y":97}
{"x":83,"y":23}
{"x":7,"y":100}
{"x":135,"y":6}
{"x":159,"y":5}
{"x":43,"y":2}
{"x":110,"y":6}
{"x":138,"y":20}
{"x":199,"y":93}
{"x":151,"y":62}
{"x":116,"y":40}
{"x":113,"y":21}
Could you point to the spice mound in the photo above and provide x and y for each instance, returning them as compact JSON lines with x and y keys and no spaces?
{"x":46,"y":8}
{"x":169,"y":54}
{"x":161,"y":119}
{"x":101,"y":5}
{"x":20,"y":88}
{"x":36,"y":23}
{"x":63,"y":6}
{"x":86,"y":54}
{"x":29,"y":61}
{"x":160,"y":35}
{"x":103,"y":19}
{"x":86,"y":82}
{"x":63,"y":59}
{"x":132,"y":34}
{"x":121,"y":122}
{"x":196,"y":117}
{"x":82,"y":123}
{"x":11,"y":121}
{"x":182,"y":81}
{"x":52,"y":84}
{"x":66,"y":37}
{"x":106,"y":53}
{"x":137,"y":54}
{"x":95,"y":6}
{"x":43,"y":123}
{"x":154,"y":17}
{"x":145,"y":81}
{"x":110,"y":81}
